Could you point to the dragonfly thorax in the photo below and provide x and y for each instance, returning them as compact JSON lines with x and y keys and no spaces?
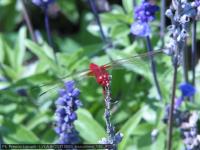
{"x":103,"y":79}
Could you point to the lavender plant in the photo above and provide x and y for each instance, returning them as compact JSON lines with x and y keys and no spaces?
{"x":187,"y":91}
{"x":144,"y":14}
{"x":180,"y":13}
{"x":67,"y":103}
{"x":113,"y":138}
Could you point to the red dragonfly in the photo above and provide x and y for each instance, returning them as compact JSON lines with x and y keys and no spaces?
{"x":101,"y":73}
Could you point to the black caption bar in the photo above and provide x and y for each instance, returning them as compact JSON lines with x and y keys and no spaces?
{"x":56,"y":146}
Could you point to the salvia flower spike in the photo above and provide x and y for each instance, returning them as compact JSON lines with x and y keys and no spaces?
{"x":113,"y":138}
{"x":181,"y":12}
{"x":144,"y":14}
{"x":66,"y":106}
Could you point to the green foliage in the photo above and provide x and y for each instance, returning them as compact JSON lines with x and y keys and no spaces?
{"x":30,"y":77}
{"x":87,"y":123}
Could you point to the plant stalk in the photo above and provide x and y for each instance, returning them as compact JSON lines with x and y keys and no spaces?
{"x":47,"y":27}
{"x":49,"y":36}
{"x":134,"y":3}
{"x":162,"y":26}
{"x":28,"y":22}
{"x":153,"y":66}
{"x":194,"y":47}
{"x":95,"y":13}
{"x":107,"y":115}
{"x":185,"y":63}
{"x":171,"y":114}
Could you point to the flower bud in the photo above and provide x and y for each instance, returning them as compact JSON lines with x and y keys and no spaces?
{"x":169,"y":13}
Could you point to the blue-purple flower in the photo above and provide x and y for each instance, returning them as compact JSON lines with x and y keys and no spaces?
{"x":66,"y":105}
{"x":42,"y":3}
{"x":197,"y":3}
{"x":144,"y":13}
{"x":140,"y":29}
{"x":187,"y":90}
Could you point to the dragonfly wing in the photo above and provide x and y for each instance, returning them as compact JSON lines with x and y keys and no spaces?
{"x":140,"y":65}
{"x":56,"y":84}
{"x":76,"y":76}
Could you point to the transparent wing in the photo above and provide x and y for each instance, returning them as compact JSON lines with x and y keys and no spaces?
{"x":137,"y":63}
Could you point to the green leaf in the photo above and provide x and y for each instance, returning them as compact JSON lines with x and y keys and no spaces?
{"x":69,"y":9}
{"x":10,"y":56}
{"x":160,"y":142}
{"x":38,"y":51}
{"x":128,"y":5}
{"x":149,"y":114}
{"x":10,"y":72}
{"x":8,"y":109}
{"x":38,"y":119}
{"x":16,"y":134}
{"x":120,"y":30}
{"x":2,"y":50}
{"x":143,"y":128}
{"x":144,"y":144}
{"x":49,"y":136}
{"x":89,"y":129}
{"x":111,"y":18}
{"x":128,"y":129}
{"x":20,"y":47}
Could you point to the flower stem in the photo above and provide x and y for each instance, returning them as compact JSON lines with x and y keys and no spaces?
{"x":49,"y":36}
{"x":194,"y":46}
{"x":185,"y":68}
{"x":94,"y":10}
{"x":171,"y":114}
{"x":134,"y":3}
{"x":107,"y":115}
{"x":47,"y":27}
{"x":153,"y":66}
{"x":162,"y":26}
{"x":28,"y":22}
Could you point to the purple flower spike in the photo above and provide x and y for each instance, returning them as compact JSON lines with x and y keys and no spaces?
{"x":67,"y":103}
{"x":146,"y":11}
{"x":143,"y":15}
{"x":140,"y":29}
{"x":187,"y":90}
{"x":197,"y":2}
{"x":69,"y":86}
{"x":42,"y":3}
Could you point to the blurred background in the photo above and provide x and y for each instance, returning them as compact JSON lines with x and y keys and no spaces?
{"x":29,"y":74}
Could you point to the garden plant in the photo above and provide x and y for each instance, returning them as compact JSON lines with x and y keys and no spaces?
{"x":104,"y":74}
